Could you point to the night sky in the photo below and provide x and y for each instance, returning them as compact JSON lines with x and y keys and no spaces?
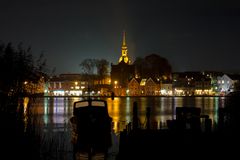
{"x":199,"y":35}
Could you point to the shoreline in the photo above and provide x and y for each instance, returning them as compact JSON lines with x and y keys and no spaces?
{"x":136,"y":96}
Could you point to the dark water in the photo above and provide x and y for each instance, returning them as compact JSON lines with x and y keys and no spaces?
{"x":56,"y":111}
{"x":51,"y":114}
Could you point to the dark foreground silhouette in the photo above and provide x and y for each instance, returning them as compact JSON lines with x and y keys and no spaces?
{"x":183,"y":138}
{"x":15,"y":141}
{"x":186,"y":137}
{"x":91,"y":128}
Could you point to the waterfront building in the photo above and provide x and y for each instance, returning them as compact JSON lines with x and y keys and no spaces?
{"x":66,"y":85}
{"x":143,"y":87}
{"x":166,"y":88}
{"x":203,"y":86}
{"x":192,"y":83}
{"x":228,"y":83}
{"x":134,"y":87}
{"x":77,"y":85}
{"x":181,"y":84}
{"x":149,"y":87}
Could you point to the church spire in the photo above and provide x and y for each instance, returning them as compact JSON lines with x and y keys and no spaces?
{"x":124,"y":57}
{"x":124,"y":38}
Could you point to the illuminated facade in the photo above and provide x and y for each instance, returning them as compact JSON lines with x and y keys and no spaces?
{"x":143,"y":87}
{"x":66,"y":85}
{"x":134,"y":87}
{"x":194,"y":83}
{"x":228,"y":83}
{"x":77,"y":85}
{"x":148,"y":87}
{"x":166,"y":89}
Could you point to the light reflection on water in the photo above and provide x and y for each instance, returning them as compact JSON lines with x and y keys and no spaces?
{"x":53,"y":114}
{"x":56,"y":111}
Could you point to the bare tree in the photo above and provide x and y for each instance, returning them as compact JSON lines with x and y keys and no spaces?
{"x":102,"y":68}
{"x":87,"y":66}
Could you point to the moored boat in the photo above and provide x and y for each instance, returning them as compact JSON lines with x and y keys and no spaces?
{"x":91,"y":126}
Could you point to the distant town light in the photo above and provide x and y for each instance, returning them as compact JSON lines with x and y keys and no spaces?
{"x":163,"y":92}
{"x":58,"y":93}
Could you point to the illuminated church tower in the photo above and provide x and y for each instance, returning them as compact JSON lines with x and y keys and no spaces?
{"x":124,"y":57}
{"x":122,"y":72}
